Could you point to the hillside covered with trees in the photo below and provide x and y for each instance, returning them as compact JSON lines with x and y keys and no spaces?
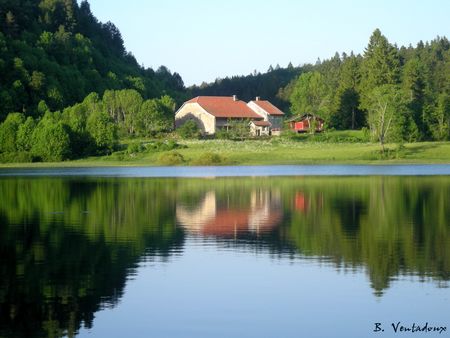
{"x":68,"y":87}
{"x":58,"y":52}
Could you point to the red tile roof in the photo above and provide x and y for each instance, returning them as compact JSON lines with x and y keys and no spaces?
{"x":225,"y":106}
{"x":268,"y":107}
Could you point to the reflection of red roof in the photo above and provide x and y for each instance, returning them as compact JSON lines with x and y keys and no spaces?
{"x":225,"y":106}
{"x":230,"y":222}
{"x":268,"y":107}
{"x":262,"y":123}
{"x":227,"y":222}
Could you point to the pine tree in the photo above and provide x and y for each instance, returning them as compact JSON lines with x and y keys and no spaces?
{"x":414,"y":86}
{"x":381,"y":65}
{"x":348,"y":114}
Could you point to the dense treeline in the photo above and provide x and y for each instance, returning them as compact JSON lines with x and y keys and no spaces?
{"x":407,"y":88}
{"x":92,"y":127}
{"x":266,"y":85}
{"x":57,"y":51}
{"x":400,"y":94}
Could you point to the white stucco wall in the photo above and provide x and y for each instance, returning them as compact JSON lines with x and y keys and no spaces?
{"x":258,"y":110}
{"x":276,"y":121}
{"x":263,"y":131}
{"x":193,"y":111}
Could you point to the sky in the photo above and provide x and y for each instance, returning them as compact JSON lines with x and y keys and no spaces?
{"x":203,"y":40}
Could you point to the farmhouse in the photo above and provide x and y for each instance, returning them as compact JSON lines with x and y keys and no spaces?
{"x":213,"y":113}
{"x":271,"y":114}
{"x":304,"y":123}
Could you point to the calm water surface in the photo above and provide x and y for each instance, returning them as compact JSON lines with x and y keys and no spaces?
{"x":237,"y":171}
{"x":300,"y":256}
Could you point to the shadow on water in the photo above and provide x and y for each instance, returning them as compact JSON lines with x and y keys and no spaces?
{"x":67,"y":246}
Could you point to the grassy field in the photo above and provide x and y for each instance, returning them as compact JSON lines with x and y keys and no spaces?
{"x":339,"y":147}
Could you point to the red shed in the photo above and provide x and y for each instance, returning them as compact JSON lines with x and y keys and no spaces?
{"x":302,"y":124}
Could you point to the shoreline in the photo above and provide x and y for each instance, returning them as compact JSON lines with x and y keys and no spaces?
{"x":102,"y":164}
{"x":192,"y":153}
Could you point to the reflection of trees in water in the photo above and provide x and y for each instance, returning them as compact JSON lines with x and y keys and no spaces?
{"x":389,"y":225}
{"x":67,"y":245}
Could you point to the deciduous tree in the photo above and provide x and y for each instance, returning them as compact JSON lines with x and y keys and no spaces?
{"x":385,"y":112}
{"x":309,"y":94}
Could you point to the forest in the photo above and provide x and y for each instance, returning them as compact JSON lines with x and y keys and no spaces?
{"x":407,"y":87}
{"x":69,"y":89}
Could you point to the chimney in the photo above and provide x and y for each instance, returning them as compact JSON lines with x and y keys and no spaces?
{"x":235,"y":98}
{"x":257,"y":98}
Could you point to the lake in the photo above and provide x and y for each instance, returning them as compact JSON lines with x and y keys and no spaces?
{"x":289,"y":251}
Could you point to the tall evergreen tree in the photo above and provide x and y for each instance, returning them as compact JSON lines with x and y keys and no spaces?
{"x":380,"y":66}
{"x":348,"y":115}
{"x":414,"y":85}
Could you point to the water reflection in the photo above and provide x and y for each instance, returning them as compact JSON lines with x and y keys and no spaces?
{"x":216,"y":216}
{"x":68,"y":245}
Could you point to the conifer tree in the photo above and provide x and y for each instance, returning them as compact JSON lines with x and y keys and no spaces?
{"x":348,"y":115}
{"x":414,"y":86}
{"x":381,"y":65}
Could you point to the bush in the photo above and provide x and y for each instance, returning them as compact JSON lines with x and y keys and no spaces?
{"x":20,"y":157}
{"x":103,"y":131}
{"x":293,"y":135}
{"x":164,"y":146}
{"x":209,"y":159}
{"x":135,"y":148}
{"x":189,"y":129}
{"x":366,"y":133}
{"x":330,"y":136}
{"x":24,"y":134}
{"x":223,"y":134}
{"x":8,"y":132}
{"x":51,"y":141}
{"x":171,"y":158}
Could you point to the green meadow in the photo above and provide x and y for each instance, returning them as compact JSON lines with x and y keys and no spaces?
{"x":337,"y":147}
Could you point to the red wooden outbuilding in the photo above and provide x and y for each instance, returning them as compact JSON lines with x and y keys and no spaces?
{"x":303,"y":124}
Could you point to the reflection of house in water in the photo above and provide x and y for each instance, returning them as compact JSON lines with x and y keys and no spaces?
{"x":300,"y":201}
{"x":211,"y":217}
{"x":303,"y":202}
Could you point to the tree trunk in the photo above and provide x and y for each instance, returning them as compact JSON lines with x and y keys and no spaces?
{"x":353,"y":118}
